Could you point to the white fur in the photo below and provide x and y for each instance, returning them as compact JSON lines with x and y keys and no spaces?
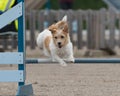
{"x":64,"y":18}
{"x":57,"y":54}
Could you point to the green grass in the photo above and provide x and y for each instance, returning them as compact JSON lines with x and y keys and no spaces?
{"x":81,"y":4}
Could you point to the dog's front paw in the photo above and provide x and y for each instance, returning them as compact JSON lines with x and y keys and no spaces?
{"x":71,"y":60}
{"x":53,"y":60}
{"x":63,"y":63}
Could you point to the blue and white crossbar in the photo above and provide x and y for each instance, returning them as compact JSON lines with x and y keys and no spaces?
{"x":77,"y":60}
{"x":13,"y":14}
{"x":11,"y":76}
{"x":11,"y":58}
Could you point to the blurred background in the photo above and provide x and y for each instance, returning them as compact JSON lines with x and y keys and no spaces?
{"x":94,"y":26}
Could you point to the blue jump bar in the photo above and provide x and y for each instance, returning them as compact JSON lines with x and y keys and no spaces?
{"x":97,"y":60}
{"x":77,"y":60}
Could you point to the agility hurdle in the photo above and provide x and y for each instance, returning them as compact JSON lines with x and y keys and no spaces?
{"x":77,"y":60}
{"x":19,"y":58}
{"x":17,"y":12}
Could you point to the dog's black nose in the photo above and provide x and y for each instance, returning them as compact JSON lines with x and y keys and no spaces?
{"x":59,"y":43}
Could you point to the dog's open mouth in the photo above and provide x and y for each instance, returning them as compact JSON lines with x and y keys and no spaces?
{"x":59,"y":46}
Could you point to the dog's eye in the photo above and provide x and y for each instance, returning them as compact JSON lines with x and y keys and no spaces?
{"x":62,"y":37}
{"x":55,"y":37}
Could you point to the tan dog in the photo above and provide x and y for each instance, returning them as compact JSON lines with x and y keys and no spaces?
{"x":55,"y":42}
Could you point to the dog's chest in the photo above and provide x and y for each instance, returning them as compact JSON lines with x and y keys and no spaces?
{"x":63,"y":52}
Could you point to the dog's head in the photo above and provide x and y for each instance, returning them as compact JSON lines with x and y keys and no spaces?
{"x":60,"y":32}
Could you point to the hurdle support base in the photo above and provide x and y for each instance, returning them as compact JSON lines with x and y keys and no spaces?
{"x":25,"y":90}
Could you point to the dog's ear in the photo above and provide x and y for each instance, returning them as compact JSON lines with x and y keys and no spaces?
{"x":52,"y":28}
{"x":65,"y":28}
{"x":60,"y":24}
{"x":64,"y":18}
{"x":63,"y":25}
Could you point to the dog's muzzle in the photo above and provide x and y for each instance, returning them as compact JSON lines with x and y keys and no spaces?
{"x":59,"y":44}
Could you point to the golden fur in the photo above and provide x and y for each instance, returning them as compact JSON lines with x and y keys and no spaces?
{"x":60,"y":33}
{"x":47,"y":42}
